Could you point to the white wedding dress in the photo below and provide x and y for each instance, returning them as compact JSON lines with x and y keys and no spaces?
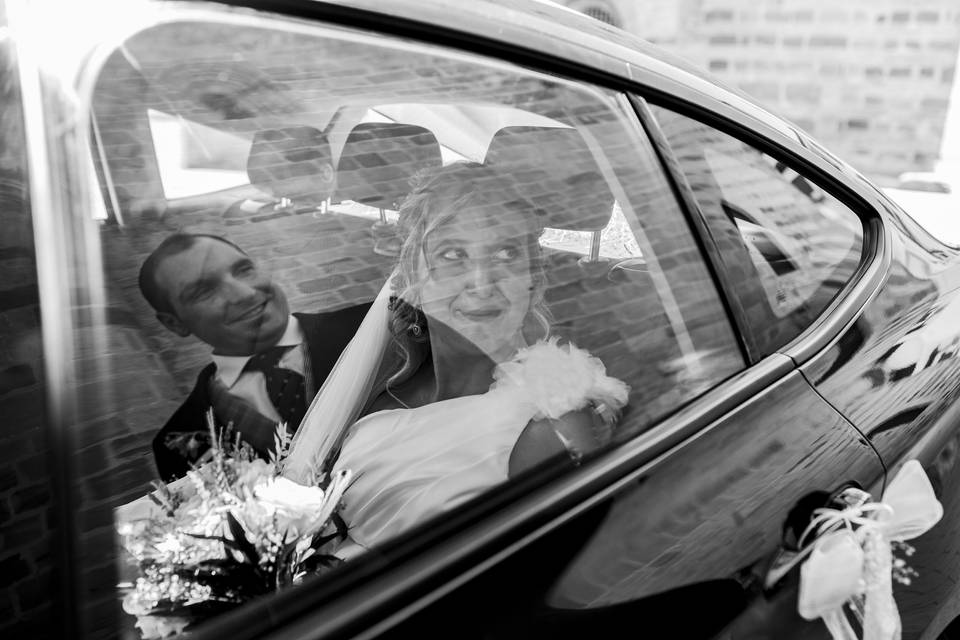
{"x":409,"y":465}
{"x":412,"y":464}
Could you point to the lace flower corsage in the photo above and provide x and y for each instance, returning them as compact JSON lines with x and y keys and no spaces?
{"x":560,"y":378}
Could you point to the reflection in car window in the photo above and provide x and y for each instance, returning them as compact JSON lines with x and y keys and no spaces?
{"x":789,"y":246}
{"x":436,"y":271}
{"x":28,"y":558}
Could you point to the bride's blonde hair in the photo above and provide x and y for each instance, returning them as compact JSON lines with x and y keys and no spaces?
{"x":437,"y":196}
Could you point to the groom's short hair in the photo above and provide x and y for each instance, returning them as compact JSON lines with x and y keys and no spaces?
{"x":171,"y":246}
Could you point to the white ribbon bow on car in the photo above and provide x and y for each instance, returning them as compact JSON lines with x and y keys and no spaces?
{"x":850,"y":560}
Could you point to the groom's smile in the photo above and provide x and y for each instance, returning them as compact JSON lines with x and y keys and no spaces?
{"x":218,"y":294}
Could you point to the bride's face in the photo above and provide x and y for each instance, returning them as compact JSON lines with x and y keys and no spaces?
{"x":478,"y":281}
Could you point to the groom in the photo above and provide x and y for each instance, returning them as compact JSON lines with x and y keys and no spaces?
{"x":266,"y":363}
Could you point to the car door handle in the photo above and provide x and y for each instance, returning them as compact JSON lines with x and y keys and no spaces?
{"x":796,"y":540}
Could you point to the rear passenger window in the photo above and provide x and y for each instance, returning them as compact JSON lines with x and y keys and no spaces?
{"x":438,"y":273}
{"x":789,"y":248}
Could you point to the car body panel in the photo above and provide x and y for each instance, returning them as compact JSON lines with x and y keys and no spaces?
{"x":893,"y":374}
{"x":774,"y":448}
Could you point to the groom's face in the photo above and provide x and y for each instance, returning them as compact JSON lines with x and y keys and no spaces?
{"x":218,"y":294}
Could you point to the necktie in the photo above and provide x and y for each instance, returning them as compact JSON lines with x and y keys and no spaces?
{"x":285,"y":388}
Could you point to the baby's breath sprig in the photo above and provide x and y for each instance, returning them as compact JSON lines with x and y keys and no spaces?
{"x":902,"y":572}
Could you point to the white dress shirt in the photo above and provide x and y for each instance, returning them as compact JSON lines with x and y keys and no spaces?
{"x":251,"y":385}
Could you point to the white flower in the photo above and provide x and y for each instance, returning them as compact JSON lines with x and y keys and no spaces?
{"x":160,"y":626}
{"x":304,"y":508}
{"x":253,"y":472}
{"x":170,"y":544}
{"x":291,"y":497}
{"x":559,"y":379}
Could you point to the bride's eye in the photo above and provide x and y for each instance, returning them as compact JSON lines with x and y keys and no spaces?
{"x":454,"y":254}
{"x":507,"y":254}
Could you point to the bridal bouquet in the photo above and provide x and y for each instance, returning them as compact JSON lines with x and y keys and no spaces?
{"x":233,"y":529}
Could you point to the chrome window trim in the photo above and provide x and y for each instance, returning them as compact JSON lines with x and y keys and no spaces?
{"x":50,"y":243}
{"x":844,"y":310}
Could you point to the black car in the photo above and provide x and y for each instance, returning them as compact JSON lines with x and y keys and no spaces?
{"x":764,"y":332}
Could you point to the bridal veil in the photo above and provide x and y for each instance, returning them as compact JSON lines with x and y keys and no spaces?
{"x":343,"y":394}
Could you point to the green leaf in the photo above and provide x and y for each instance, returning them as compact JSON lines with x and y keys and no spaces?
{"x":240,"y":537}
{"x":227,"y":542}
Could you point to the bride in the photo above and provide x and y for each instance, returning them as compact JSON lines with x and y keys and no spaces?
{"x":474,"y":389}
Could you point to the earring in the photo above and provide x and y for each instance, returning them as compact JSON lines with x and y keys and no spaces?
{"x":415,"y":330}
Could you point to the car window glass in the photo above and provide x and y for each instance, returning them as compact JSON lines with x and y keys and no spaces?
{"x":27,"y":487}
{"x":789,"y":246}
{"x":487,"y":269}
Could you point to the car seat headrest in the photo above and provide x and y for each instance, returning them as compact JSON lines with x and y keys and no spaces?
{"x":380,"y":158}
{"x":555,"y":170}
{"x":292,"y":162}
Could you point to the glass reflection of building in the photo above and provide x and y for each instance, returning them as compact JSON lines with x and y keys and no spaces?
{"x":871,"y":79}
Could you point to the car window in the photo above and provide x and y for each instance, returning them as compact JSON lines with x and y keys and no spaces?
{"x":789,"y":247}
{"x":487,"y":271}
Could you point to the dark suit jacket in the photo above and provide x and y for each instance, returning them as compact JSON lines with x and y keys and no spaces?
{"x":326,"y":335}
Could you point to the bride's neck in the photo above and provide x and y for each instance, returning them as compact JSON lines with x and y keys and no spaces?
{"x":455,"y":368}
{"x":461,"y":373}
